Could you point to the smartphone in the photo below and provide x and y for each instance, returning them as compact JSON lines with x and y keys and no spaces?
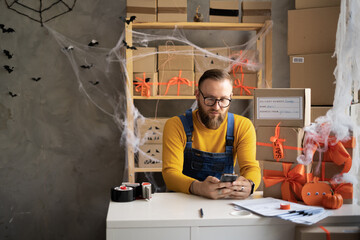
{"x":228,"y":177}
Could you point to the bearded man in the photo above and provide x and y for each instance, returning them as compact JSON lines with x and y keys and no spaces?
{"x":201,"y":145}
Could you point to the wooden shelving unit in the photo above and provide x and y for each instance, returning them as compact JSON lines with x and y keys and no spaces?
{"x":265,"y":54}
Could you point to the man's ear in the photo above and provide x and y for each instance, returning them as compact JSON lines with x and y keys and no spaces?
{"x":197,"y":94}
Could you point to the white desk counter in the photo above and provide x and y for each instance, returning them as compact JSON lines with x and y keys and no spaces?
{"x":176,"y":216}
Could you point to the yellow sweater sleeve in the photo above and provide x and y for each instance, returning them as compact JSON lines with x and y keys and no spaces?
{"x":245,"y":145}
{"x":174,"y":141}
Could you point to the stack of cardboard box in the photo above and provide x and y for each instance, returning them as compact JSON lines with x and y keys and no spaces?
{"x":312,"y":65}
{"x":311,"y":50}
{"x":143,"y":10}
{"x":150,"y":132}
{"x":172,"y":10}
{"x":279,"y":116}
{"x":224,"y":11}
{"x":255,"y":12}
{"x":245,"y":79}
{"x":176,"y":70}
{"x":145,"y":76}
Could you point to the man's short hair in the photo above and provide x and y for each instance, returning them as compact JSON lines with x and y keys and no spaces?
{"x":216,"y":75}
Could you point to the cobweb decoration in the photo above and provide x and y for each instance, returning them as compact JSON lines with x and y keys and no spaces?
{"x":39,"y":10}
{"x":104,"y":82}
{"x":337,"y":125}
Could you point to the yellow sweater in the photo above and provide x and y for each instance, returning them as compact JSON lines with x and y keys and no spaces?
{"x":207,"y":140}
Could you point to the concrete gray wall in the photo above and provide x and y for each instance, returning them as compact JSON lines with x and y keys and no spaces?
{"x":60,"y":155}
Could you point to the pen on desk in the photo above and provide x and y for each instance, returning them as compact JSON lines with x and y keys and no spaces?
{"x":201,"y":212}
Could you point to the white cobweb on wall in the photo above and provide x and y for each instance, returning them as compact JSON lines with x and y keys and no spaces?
{"x":102,"y":75}
{"x":337,"y":125}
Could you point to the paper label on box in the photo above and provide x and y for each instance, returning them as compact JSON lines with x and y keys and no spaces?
{"x":280,"y":108}
{"x":298,"y":60}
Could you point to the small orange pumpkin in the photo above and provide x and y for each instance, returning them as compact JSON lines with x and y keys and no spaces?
{"x":332,"y":200}
{"x":313,"y":192}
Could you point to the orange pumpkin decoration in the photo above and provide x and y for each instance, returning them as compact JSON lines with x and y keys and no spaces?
{"x":332,"y":200}
{"x":312,"y":193}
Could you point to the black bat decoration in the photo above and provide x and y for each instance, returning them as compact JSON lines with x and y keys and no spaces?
{"x":87,"y":66}
{"x":128,"y":21}
{"x":6,"y":30}
{"x":12,"y":94}
{"x":36,"y":79}
{"x":8,"y":68}
{"x":94,"y":83}
{"x":93,"y":43}
{"x":129,"y":47}
{"x":8,"y":54}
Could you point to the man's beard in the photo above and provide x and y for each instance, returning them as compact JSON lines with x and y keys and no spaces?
{"x":212,"y":123}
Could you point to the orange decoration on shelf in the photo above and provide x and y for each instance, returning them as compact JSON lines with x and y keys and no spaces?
{"x":312,"y":193}
{"x":332,"y":200}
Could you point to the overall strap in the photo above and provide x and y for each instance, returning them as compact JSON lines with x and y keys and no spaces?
{"x":187,"y":122}
{"x":230,"y":133}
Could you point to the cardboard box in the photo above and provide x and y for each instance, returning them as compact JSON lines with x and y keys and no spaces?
{"x":291,"y":146}
{"x":290,"y":106}
{"x":144,"y":10}
{"x":171,"y":83}
{"x":248,"y":59}
{"x":261,"y":165}
{"x":224,"y":11}
{"x":172,"y":11}
{"x":255,"y":12}
{"x":336,"y":232}
{"x":317,"y":111}
{"x":150,"y":130}
{"x":204,"y":61}
{"x":150,"y":156}
{"x":349,"y":146}
{"x":319,"y":38}
{"x":176,"y":58}
{"x":144,"y":59}
{"x":244,"y":84}
{"x":326,"y":170}
{"x":314,"y":71}
{"x":275,"y":170}
{"x":145,"y":84}
{"x":301,"y":4}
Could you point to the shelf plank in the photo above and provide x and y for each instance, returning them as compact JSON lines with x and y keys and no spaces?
{"x":200,"y":26}
{"x":182,"y":97}
{"x":147,"y":169}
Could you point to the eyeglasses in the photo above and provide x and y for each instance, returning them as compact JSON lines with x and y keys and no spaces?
{"x":210,"y":101}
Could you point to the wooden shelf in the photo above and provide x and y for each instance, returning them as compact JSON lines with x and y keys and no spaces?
{"x":200,"y":26}
{"x":263,"y":46}
{"x":137,"y":169}
{"x":183,"y":97}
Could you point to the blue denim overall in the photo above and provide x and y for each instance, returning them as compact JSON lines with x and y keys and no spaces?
{"x":199,"y":164}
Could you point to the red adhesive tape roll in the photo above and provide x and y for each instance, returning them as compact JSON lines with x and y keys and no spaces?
{"x":285,"y":206}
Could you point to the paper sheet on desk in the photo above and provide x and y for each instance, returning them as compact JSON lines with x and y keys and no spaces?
{"x":270,"y":207}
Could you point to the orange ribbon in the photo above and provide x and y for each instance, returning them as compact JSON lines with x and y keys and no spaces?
{"x":177,"y":80}
{"x":277,"y":144}
{"x":240,"y":84}
{"x":338,"y":154}
{"x":292,"y":180}
{"x":142,"y":86}
{"x":278,"y":149}
{"x":344,"y":189}
{"x":326,"y":232}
